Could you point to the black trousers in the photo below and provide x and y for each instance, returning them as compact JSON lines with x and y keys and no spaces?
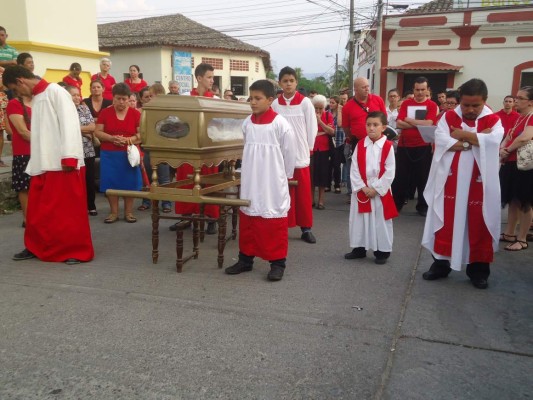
{"x":90,"y":172}
{"x":412,"y":163}
{"x":337,"y":158}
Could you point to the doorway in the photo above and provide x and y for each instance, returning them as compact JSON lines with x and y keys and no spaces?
{"x":437,"y":82}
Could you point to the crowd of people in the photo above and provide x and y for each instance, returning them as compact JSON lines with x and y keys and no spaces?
{"x":376,"y":150}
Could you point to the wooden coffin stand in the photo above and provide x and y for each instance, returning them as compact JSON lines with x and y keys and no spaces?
{"x":200,"y":132}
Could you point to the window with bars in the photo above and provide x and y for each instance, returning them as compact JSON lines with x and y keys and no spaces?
{"x":256,"y":66}
{"x":216,"y":63}
{"x":239,"y":65}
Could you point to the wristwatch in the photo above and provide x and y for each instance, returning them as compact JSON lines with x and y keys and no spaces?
{"x":466,"y":146}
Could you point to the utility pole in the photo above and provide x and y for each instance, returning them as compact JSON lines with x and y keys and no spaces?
{"x":351,"y":58}
{"x":336,"y":73}
{"x":379,"y":39}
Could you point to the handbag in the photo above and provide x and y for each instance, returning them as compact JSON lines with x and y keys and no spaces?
{"x":134,"y":156}
{"x":524,"y":157}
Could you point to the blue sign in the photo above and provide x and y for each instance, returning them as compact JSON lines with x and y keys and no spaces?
{"x":183,"y":70}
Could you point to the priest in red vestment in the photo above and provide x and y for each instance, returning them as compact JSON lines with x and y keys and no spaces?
{"x":463,"y":190}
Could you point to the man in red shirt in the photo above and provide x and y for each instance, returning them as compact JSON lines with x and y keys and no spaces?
{"x":507,"y":114}
{"x":204,"y":74}
{"x":413,"y":158}
{"x":354,"y":114}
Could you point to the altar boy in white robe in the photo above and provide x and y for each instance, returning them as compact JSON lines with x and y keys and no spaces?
{"x":463,"y":190}
{"x":268,"y":161}
{"x":372,"y":207}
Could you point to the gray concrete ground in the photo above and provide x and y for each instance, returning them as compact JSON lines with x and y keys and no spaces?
{"x":120,"y":327}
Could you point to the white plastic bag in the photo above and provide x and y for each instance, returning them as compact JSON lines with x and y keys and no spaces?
{"x":134,"y":157}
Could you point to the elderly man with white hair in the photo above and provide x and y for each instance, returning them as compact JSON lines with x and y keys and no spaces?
{"x":321,"y":149}
{"x":108,"y":81}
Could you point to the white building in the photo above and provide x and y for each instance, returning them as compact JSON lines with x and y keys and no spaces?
{"x":450,"y":44}
{"x":170,"y":47}
{"x":56,"y":33}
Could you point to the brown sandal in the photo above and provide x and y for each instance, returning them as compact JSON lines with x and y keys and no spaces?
{"x":130,"y":218}
{"x":507,"y":238}
{"x":142,"y":207}
{"x":523,"y":246}
{"x":111,"y":218}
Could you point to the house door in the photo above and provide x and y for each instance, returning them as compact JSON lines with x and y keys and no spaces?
{"x":437,"y":82}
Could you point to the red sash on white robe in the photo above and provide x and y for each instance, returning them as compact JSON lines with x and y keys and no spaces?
{"x":363,"y":202}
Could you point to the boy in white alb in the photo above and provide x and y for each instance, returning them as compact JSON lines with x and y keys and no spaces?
{"x":268,"y":161}
{"x":300,"y":113}
{"x":372,"y":207}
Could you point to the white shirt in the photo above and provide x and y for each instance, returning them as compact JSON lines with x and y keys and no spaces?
{"x":302,"y":119}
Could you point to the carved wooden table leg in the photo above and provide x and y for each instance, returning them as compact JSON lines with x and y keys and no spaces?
{"x":221,"y":236}
{"x":195,"y":238}
{"x":179,"y":250}
{"x":202,"y":223}
{"x":155,"y":231}
{"x":234,"y":218}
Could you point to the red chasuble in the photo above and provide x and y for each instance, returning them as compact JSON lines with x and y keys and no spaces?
{"x":480,"y":240}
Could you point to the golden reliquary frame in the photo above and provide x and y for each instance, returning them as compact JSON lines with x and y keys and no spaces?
{"x":197,"y":131}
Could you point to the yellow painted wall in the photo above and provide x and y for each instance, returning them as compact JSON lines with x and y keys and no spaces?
{"x":56,"y":75}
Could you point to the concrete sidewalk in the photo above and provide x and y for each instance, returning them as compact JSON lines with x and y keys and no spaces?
{"x":120,"y":327}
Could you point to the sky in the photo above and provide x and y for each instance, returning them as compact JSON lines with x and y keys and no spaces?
{"x":299,"y":33}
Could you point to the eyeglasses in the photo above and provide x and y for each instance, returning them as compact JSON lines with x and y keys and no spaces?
{"x":521,"y":98}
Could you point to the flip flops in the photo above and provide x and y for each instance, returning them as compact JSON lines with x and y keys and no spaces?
{"x":130,"y":218}
{"x":111,"y":218}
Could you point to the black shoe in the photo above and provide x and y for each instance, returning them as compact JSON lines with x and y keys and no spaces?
{"x":432,"y":275}
{"x":358,"y":252}
{"x":480,"y":283}
{"x":308,"y":237}
{"x":422,"y":213}
{"x":182,"y":224}
{"x":211,"y":228}
{"x":72,"y":261}
{"x":23,"y":255}
{"x":380,"y":261}
{"x":276,"y":273}
{"x":237,"y":268}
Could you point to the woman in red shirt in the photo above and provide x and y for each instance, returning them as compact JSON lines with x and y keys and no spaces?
{"x":19,"y":117}
{"x":118,"y":126}
{"x":73,"y":78}
{"x":517,"y":185}
{"x":134,"y":82}
{"x":321,"y":150}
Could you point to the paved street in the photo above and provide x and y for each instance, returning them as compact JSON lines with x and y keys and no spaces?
{"x":120,"y":327}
